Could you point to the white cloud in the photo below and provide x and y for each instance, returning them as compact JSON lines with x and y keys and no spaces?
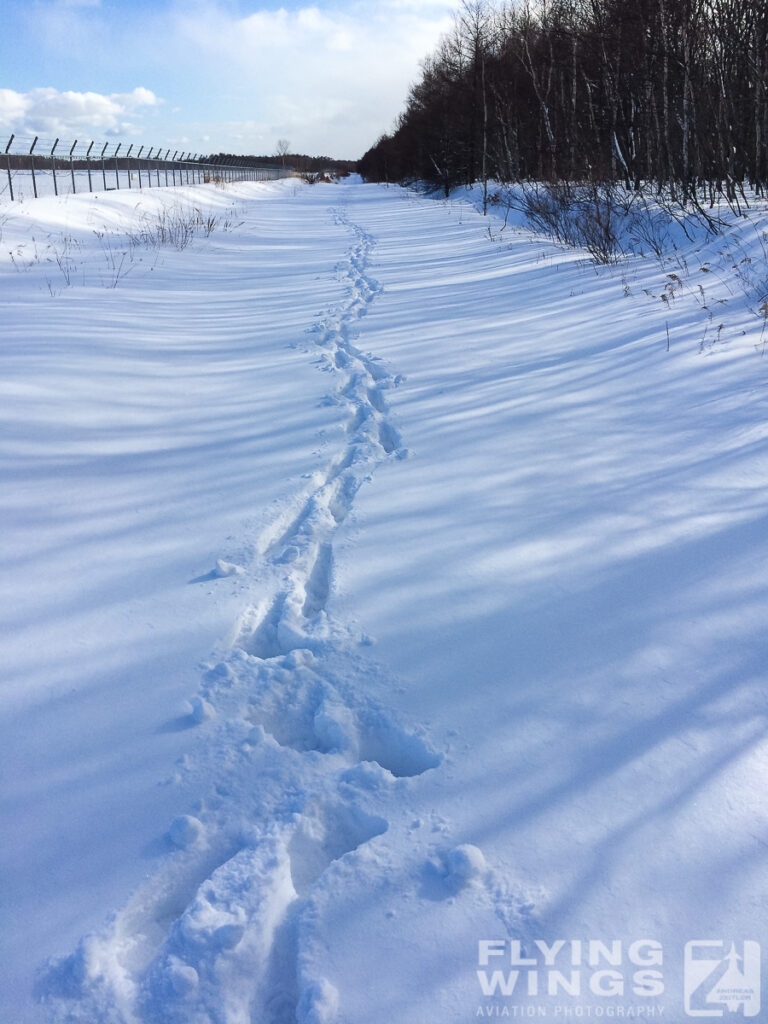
{"x":331,"y":81}
{"x":331,"y":77}
{"x":48,"y":112}
{"x":13,"y":107}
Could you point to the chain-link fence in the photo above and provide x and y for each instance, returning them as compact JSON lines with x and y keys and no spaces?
{"x":35,"y":167}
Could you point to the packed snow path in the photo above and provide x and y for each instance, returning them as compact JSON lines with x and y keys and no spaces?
{"x":273,"y":823}
{"x":460,"y":572}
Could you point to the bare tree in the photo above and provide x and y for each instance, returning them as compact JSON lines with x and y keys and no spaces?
{"x":671,"y":94}
{"x":282,"y":149}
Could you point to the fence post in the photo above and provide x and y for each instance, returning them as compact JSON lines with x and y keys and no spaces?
{"x":173,"y":166}
{"x":8,"y":164}
{"x":32,"y":165}
{"x":138,"y":164}
{"x":53,"y":168}
{"x":88,"y":166}
{"x":72,"y":166}
{"x":117,"y":169}
{"x":104,"y":166}
{"x":128,"y":169}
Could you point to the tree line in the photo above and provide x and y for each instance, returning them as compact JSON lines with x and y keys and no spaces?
{"x":298,"y":161}
{"x":668,"y":92}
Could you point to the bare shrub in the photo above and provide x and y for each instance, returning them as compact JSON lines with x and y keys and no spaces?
{"x":581,"y":216}
{"x":175,"y":226}
{"x":316,"y":177}
{"x":649,"y":228}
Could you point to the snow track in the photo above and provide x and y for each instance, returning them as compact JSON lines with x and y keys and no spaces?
{"x":296,"y":758}
{"x":296,"y":616}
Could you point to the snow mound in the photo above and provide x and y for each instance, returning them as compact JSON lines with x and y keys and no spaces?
{"x":185,"y":831}
{"x":224,"y":569}
{"x":319,"y":1003}
{"x":464,"y":864}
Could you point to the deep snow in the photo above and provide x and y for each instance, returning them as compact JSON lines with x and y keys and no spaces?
{"x":376,"y":584}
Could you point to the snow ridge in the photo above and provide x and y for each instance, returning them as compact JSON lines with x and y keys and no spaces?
{"x":295,"y":762}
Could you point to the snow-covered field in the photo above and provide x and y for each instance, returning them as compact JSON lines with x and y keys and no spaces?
{"x":384,"y":601}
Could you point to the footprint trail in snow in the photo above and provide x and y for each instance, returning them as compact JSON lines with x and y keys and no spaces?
{"x":293,"y":758}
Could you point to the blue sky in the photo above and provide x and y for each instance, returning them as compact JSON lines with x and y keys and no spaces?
{"x":212,"y":75}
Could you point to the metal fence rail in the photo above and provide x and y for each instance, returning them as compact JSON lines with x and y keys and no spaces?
{"x":36,"y":167}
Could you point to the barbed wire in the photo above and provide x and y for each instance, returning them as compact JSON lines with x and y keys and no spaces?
{"x":35,"y":166}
